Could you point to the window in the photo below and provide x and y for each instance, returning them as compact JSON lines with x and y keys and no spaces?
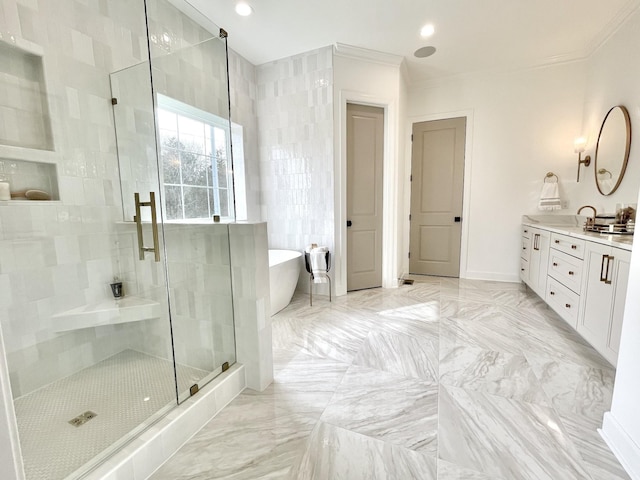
{"x":195,"y":155}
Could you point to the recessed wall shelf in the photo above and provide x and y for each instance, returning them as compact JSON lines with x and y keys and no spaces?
{"x":27,"y":175}
{"x":109,"y":312}
{"x":25,"y":107}
{"x":27,"y":157}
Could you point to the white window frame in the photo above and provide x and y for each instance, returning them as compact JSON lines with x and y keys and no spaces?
{"x":175,"y":106}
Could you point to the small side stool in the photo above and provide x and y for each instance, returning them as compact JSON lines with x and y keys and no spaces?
{"x":307,"y":264}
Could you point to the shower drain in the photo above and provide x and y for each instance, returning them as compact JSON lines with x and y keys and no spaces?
{"x":83,"y":418}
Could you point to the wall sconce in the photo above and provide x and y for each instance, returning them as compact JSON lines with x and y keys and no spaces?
{"x":579,"y":146}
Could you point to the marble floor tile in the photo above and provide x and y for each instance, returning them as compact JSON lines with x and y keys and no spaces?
{"x":595,"y":453}
{"x":427,"y":311}
{"x":396,"y":409}
{"x":450,"y":471}
{"x":474,"y":295}
{"x":338,"y":454}
{"x":495,"y":334}
{"x":375,"y":300}
{"x":463,"y":309}
{"x":428,"y":329}
{"x":487,"y":371}
{"x":401,"y":354}
{"x":303,"y":385}
{"x":460,"y":283}
{"x":425,"y":293}
{"x":494,"y":435}
{"x":467,"y":379}
{"x":245,"y":441}
{"x":572,"y":388}
{"x":322,"y":337}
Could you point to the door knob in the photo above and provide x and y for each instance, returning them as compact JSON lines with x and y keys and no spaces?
{"x":349,"y":223}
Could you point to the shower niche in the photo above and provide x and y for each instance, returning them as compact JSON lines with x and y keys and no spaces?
{"x":28,"y":161}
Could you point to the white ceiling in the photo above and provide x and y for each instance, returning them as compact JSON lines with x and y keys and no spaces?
{"x":471,"y":35}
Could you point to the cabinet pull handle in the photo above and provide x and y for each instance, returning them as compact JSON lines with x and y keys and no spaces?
{"x":573,"y":247}
{"x":607,"y":280}
{"x":524,"y":248}
{"x":567,"y":305}
{"x":603,"y":277}
{"x":557,"y":241}
{"x":555,"y":264}
{"x":552,"y":293}
{"x":522,"y":269}
{"x":570,"y":272}
{"x":526,"y":231}
{"x":536,"y":241}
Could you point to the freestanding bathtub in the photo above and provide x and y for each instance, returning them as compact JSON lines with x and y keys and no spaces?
{"x":284,"y":270}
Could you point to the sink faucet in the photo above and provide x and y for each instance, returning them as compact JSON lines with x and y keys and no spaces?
{"x":591,"y":221}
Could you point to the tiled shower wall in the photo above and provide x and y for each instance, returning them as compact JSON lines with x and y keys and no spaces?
{"x":295,"y":126}
{"x":242,"y":83}
{"x":55,"y":256}
{"x":200,"y":290}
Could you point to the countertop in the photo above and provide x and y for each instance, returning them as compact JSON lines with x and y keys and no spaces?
{"x":571,"y":225}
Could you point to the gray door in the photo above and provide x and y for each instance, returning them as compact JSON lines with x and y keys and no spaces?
{"x":365,"y":131}
{"x":437,"y":169}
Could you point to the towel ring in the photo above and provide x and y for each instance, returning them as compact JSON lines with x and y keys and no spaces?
{"x":603,"y":171}
{"x":549,"y":175}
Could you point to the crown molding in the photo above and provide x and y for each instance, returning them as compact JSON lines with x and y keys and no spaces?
{"x":359,"y":53}
{"x":612,"y":27}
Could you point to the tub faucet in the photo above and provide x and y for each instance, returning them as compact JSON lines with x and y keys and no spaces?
{"x":591,"y":221}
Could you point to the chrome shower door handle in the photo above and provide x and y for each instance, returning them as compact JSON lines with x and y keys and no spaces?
{"x":154,"y":226}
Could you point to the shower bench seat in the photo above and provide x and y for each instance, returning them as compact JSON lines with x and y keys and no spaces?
{"x":109,"y":312}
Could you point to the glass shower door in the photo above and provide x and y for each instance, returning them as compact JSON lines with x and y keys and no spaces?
{"x":172,"y":124}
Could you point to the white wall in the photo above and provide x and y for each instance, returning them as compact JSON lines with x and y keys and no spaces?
{"x":523,"y":124}
{"x":614,"y":78}
{"x":613,"y":74}
{"x":375,"y":82}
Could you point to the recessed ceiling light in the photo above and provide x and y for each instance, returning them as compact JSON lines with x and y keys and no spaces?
{"x":424,"y":52}
{"x":427,"y":30}
{"x":243,"y":9}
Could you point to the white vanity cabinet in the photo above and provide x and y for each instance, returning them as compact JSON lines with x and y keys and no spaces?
{"x":565,"y":277}
{"x":525,"y":253}
{"x":538,"y":260}
{"x":582,"y":277}
{"x":604,"y":292}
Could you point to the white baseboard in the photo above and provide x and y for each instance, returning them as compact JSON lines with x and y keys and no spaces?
{"x":622,"y":445}
{"x":492,"y":276}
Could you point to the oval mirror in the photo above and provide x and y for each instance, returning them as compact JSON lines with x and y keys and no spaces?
{"x":612,"y":150}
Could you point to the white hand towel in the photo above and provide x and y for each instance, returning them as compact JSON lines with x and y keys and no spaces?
{"x":318,"y":257}
{"x":550,"y":197}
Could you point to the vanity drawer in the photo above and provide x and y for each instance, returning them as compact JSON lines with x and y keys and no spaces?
{"x":567,"y":244}
{"x":565,"y":269}
{"x":525,"y":251}
{"x":526,"y":231}
{"x":524,"y":270}
{"x":564,"y":301}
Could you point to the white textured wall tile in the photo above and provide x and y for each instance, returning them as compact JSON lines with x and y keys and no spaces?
{"x":295,"y":118}
{"x":251,"y":304}
{"x":68,"y":252}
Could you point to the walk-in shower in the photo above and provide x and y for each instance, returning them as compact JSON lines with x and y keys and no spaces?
{"x":119,"y":112}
